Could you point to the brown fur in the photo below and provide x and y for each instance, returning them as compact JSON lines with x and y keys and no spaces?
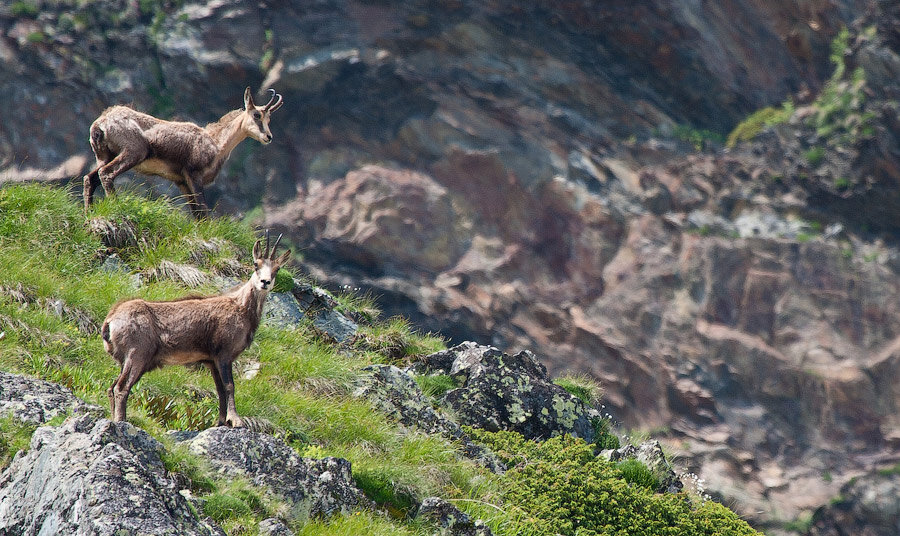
{"x":212,"y":330}
{"x":190,"y":156}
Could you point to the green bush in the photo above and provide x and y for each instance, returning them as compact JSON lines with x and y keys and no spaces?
{"x":560,"y":487}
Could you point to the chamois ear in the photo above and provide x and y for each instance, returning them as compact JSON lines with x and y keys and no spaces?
{"x":283,"y":258}
{"x":248,"y":99}
{"x":257,"y":254}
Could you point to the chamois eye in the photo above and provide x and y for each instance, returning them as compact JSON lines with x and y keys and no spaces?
{"x":257,"y":115}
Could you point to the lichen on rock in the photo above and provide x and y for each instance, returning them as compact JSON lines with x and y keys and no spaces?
{"x":312,"y":487}
{"x":38,"y":401}
{"x":503,"y":392}
{"x":91,"y":476}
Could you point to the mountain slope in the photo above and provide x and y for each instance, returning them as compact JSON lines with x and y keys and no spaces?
{"x":60,"y":275}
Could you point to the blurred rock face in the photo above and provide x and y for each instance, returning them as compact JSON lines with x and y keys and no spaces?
{"x":515,"y":173}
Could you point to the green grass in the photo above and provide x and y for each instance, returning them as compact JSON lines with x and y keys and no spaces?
{"x":303,"y":385}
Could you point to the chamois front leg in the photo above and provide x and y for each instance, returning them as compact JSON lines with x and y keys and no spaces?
{"x":231,"y":417}
{"x":220,"y":390}
{"x":194,"y":194}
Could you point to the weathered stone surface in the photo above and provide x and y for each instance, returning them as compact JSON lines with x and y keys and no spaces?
{"x":312,"y":487}
{"x":37,"y":401}
{"x":503,"y":392}
{"x":869,"y":505}
{"x":318,"y":304}
{"x":650,"y":453}
{"x":92,"y":477}
{"x":450,"y":520}
{"x":396,"y":393}
{"x":274,"y":527}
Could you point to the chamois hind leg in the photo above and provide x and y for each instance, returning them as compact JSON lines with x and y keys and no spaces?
{"x":132,"y":370}
{"x":91,"y":182}
{"x":124,"y":161}
{"x":220,"y":390}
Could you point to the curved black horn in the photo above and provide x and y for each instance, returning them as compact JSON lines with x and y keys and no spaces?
{"x":274,"y":247}
{"x":271,"y":100}
{"x":275,"y":102}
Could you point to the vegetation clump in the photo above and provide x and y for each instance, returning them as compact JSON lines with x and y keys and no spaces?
{"x":561,"y":487}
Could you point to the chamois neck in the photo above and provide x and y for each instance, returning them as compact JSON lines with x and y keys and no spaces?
{"x":227,"y":132}
{"x":251,"y":298}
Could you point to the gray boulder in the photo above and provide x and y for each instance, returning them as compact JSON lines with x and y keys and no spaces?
{"x":503,"y":392}
{"x":396,"y":393}
{"x":312,"y":487}
{"x":90,"y":477}
{"x":37,"y":401}
{"x":450,"y":520}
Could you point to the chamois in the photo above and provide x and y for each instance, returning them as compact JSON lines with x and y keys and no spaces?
{"x":213,"y":330}
{"x":184,"y":153}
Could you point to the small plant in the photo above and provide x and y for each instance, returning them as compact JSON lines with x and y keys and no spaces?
{"x":604,"y":438}
{"x":436,"y":385}
{"x":15,"y":435}
{"x":815,"y":156}
{"x":581,"y":386}
{"x":24,"y":9}
{"x":750,"y":127}
{"x":636,"y":473}
{"x":379,"y":488}
{"x":842,"y":183}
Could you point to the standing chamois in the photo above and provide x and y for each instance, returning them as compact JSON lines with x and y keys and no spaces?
{"x":214,"y":330}
{"x":184,"y":153}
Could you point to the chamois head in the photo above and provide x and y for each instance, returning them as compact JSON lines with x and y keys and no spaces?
{"x":265,"y":263}
{"x":256,"y":118}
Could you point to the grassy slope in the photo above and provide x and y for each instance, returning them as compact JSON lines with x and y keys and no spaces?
{"x":303,"y":385}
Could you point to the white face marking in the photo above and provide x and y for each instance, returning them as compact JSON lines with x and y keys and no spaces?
{"x":263,"y":277}
{"x":257,"y":125}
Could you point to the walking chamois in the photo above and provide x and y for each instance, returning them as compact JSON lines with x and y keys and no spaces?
{"x":190,"y":156}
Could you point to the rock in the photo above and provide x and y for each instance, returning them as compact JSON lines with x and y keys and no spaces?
{"x":312,"y":487}
{"x":91,"y":476}
{"x":868,"y":505}
{"x":650,"y":453}
{"x":38,"y":401}
{"x":450,"y":519}
{"x":274,"y":527}
{"x":396,"y":393}
{"x":503,"y":392}
{"x":317,"y":303}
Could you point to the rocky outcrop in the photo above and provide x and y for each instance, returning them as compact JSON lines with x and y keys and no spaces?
{"x":869,"y":505}
{"x":311,"y":487}
{"x":91,"y":476}
{"x":37,"y":401}
{"x":395,"y":392}
{"x":502,"y":392}
{"x":450,"y":520}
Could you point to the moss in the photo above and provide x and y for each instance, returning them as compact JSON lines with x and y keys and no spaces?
{"x":750,"y":127}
